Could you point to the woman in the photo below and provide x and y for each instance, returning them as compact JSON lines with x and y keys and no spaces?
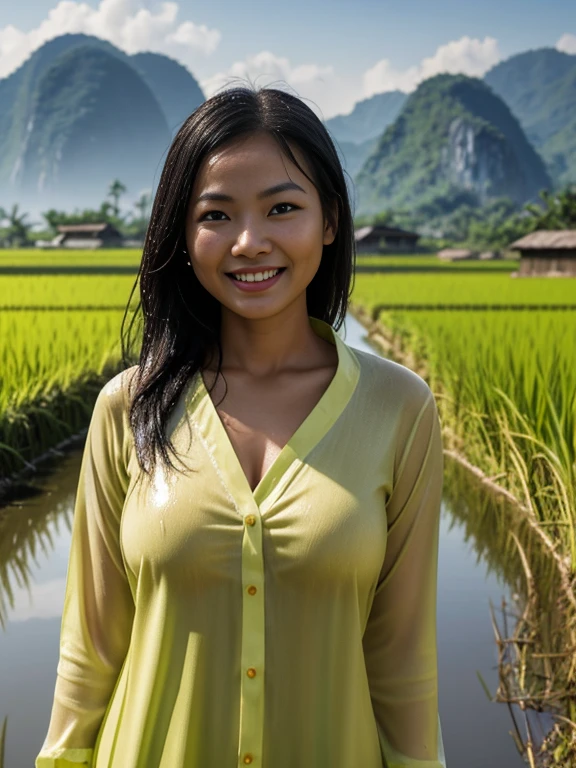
{"x":269,"y":599}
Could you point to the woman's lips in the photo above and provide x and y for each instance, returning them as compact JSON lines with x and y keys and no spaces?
{"x":262,"y":285}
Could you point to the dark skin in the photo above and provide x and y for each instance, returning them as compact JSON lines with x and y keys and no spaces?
{"x":276,"y":367}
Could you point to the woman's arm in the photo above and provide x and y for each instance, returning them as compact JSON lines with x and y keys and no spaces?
{"x":98,"y":605}
{"x":400,"y":637}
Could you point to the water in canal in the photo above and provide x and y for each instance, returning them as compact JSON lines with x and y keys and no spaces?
{"x":474,"y":567}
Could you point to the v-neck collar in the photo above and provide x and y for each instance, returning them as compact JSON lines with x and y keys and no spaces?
{"x":310,"y":432}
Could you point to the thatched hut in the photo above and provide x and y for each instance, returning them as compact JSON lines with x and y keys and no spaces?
{"x":547,"y":253}
{"x":84,"y":236}
{"x":381,"y":239}
{"x":456,"y":254}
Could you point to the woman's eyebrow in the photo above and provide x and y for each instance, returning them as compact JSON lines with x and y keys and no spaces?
{"x":219,"y":196}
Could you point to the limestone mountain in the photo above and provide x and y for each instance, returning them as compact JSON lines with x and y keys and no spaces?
{"x":177,"y":92}
{"x":80,"y":113}
{"x":453,"y":134}
{"x":539,"y":86}
{"x":356,"y":133}
{"x":368,"y":118}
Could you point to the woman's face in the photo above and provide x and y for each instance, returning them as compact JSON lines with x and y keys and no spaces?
{"x":242,"y":225}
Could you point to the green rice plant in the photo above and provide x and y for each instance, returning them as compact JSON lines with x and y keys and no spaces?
{"x":41,"y":351}
{"x":460,"y":288}
{"x":53,"y":359}
{"x":51,"y":366}
{"x":65,"y":290}
{"x":65,"y":257}
{"x":507,"y":389}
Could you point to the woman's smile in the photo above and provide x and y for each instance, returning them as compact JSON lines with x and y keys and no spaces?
{"x":255,"y":281}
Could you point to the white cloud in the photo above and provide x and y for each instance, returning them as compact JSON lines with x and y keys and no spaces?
{"x":121,"y":22}
{"x":325,"y":92}
{"x":567,"y":44}
{"x":466,"y":56}
{"x":133,"y":28}
{"x":383,"y":77}
{"x":329,"y":93}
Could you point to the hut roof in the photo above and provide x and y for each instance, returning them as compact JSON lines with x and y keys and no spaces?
{"x":546,"y":238}
{"x":456,"y":253}
{"x":382,"y":231}
{"x":96,"y":228}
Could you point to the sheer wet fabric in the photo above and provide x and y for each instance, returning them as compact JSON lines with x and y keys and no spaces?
{"x":206,"y":625}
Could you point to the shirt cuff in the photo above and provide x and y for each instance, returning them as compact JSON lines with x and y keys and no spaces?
{"x":66,"y":758}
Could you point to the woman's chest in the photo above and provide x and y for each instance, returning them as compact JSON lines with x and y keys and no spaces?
{"x":325,"y":520}
{"x":260,"y":419}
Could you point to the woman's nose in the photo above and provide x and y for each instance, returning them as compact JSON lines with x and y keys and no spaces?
{"x":251,"y":238}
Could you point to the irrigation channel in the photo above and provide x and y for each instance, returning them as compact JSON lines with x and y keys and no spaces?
{"x":477,"y":566}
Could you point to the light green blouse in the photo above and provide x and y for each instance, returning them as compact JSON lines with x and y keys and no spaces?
{"x":209,"y":626}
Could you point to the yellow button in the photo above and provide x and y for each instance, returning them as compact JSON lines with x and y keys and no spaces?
{"x":251,"y":672}
{"x":247,"y":758}
{"x":250,"y":520}
{"x":251,"y":589}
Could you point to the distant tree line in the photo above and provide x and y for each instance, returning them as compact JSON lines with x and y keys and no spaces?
{"x":453,"y":219}
{"x":493,"y":225}
{"x":16,"y":230}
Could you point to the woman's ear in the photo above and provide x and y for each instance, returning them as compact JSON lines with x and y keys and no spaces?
{"x":331,"y":225}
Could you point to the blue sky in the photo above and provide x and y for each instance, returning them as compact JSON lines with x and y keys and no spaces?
{"x":331,"y":52}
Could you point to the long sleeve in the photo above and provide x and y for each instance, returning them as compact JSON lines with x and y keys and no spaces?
{"x":98,"y":605}
{"x":400,"y":636}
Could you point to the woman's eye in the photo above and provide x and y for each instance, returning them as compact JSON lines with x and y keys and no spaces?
{"x":210,"y":214}
{"x":278,"y":205}
{"x":290,"y":205}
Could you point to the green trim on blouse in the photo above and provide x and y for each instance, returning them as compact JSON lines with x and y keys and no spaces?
{"x":314,"y":427}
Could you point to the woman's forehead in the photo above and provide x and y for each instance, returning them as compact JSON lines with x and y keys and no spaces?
{"x":238,"y":156}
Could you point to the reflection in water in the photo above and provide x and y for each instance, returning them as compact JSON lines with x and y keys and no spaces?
{"x":487,"y":522}
{"x":27,"y":531}
{"x":34,"y":547}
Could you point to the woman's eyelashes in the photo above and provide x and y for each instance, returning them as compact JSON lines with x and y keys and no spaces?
{"x":278,"y":205}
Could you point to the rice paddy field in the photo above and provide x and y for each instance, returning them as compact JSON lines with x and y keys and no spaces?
{"x":489,"y":368}
{"x":498,"y":351}
{"x":52,"y":257}
{"x":505,"y":380}
{"x":57,"y":329}
{"x":59,"y":342}
{"x":127,"y":256}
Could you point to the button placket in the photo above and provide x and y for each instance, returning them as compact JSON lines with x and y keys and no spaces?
{"x":252,"y":654}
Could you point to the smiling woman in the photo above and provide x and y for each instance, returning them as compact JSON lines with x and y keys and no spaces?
{"x":258,"y":229}
{"x":272,"y":601}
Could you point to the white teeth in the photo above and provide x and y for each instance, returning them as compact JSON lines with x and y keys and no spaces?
{"x":256,"y":277}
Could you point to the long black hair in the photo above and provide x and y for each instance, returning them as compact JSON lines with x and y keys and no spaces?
{"x":180,"y":327}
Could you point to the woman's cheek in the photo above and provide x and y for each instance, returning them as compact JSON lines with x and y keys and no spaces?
{"x":206,"y":242}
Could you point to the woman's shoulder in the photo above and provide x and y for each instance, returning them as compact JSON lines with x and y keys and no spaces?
{"x":391,"y":383}
{"x":115,"y":393}
{"x":110,"y":418}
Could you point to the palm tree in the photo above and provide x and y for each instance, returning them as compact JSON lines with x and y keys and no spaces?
{"x":116,"y":189}
{"x":559,"y":209}
{"x":143,"y":203}
{"x":18,"y":229}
